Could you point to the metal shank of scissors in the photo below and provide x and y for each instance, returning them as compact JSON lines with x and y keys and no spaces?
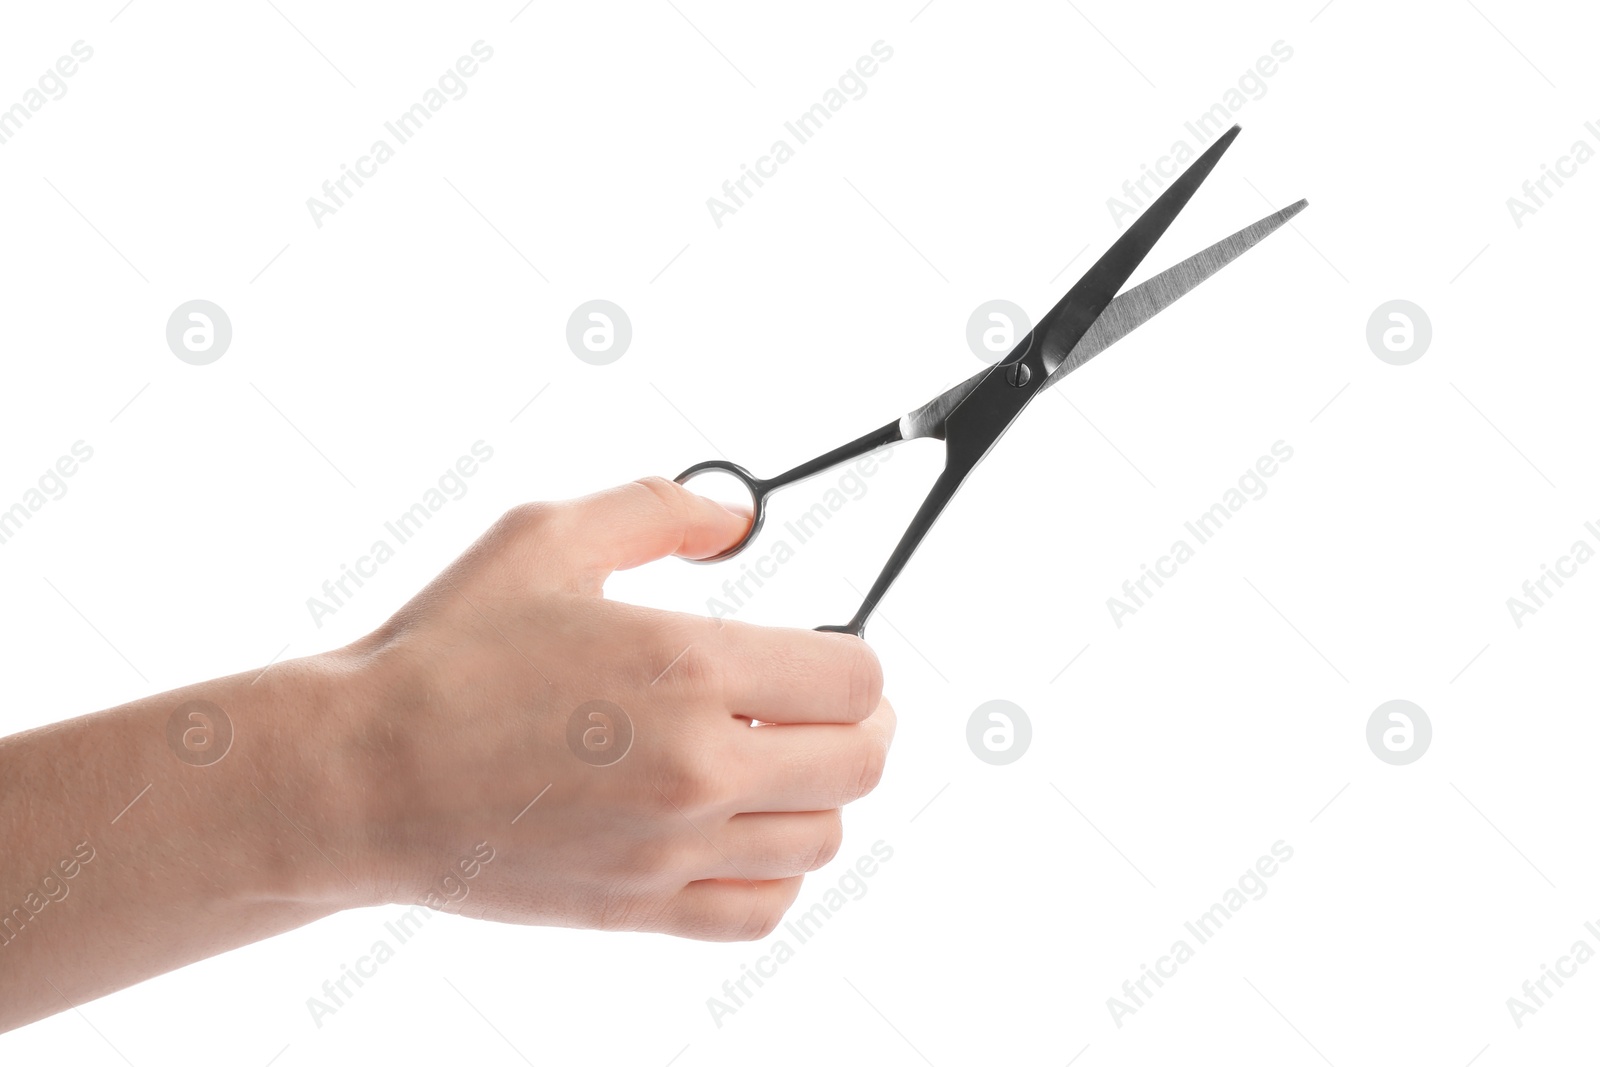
{"x":972,"y":416}
{"x":760,"y":489}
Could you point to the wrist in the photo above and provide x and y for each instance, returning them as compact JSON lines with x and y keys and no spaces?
{"x":311,"y":782}
{"x":367,"y":752}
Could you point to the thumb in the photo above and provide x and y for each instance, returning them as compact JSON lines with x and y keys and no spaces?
{"x":639,"y":522}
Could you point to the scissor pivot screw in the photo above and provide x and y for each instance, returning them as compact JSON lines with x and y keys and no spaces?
{"x":1018,"y":374}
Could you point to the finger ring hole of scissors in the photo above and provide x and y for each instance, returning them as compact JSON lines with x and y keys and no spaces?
{"x":735,"y":489}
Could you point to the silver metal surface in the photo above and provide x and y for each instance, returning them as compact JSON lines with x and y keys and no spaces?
{"x":1143,"y":302}
{"x":1122,"y":316}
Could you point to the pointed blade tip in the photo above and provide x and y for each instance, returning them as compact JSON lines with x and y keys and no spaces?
{"x":1224,"y":142}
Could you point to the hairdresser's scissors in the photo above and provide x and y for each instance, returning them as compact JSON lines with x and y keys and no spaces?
{"x":972,"y":416}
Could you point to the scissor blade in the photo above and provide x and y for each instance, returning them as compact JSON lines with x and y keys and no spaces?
{"x":1066,"y":323}
{"x":1121,"y":317}
{"x":1144,"y":301}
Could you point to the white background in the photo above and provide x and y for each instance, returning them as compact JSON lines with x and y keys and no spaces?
{"x":1226,"y":715}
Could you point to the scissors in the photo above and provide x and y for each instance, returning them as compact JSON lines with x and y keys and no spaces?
{"x":971,"y":416}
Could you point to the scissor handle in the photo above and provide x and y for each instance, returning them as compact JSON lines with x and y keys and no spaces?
{"x":761,"y":488}
{"x":758,"y":489}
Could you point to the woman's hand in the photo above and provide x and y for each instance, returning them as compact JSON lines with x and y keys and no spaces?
{"x":604,"y":754}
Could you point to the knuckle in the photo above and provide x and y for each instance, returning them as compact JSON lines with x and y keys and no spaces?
{"x":701,"y":670}
{"x":689,"y":656}
{"x":869,"y":770}
{"x":652,"y":857}
{"x":830,"y":844}
{"x":628,"y":908}
{"x":762,"y":918}
{"x":613,"y":911}
{"x":528,"y":519}
{"x":885,"y":720}
{"x":667,"y":493}
{"x":685,"y":783}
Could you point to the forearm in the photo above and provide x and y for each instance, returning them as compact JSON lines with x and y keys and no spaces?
{"x":131,"y":849}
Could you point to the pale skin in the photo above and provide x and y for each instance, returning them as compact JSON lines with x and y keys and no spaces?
{"x":384,"y":771}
